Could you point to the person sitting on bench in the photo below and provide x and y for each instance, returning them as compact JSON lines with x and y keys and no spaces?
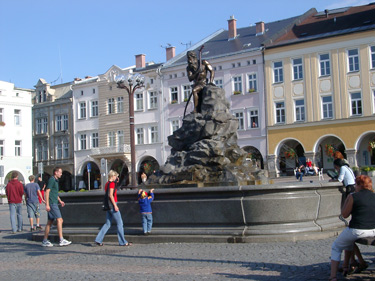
{"x":361,"y":205}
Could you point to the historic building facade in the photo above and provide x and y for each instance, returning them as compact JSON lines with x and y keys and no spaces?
{"x":53,"y":131}
{"x":15,"y":132}
{"x":320,"y":81}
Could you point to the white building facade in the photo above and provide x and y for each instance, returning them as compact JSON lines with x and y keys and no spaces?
{"x":15,"y":131}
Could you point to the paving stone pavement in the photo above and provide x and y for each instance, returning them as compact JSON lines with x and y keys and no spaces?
{"x":24,"y":259}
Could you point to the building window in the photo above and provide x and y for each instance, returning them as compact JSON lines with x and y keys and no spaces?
{"x":58,"y":123}
{"x":59,"y":151}
{"x":219,"y":83}
{"x":325,"y":65}
{"x":278,"y":76}
{"x":111,"y":139}
{"x":65,"y":122}
{"x":17,"y":148}
{"x":327,"y":107}
{"x":237,"y":85}
{"x":61,"y":123}
{"x":175,"y":124}
{"x":111,"y":105}
{"x":239,"y":116}
{"x":372,"y":56}
{"x":82,"y":110}
{"x":95,"y":140}
{"x":65,"y":150}
{"x":151,"y":81}
{"x":300,"y":110}
{"x":140,"y":136}
{"x":41,"y":125}
{"x":120,"y":138}
{"x":94,"y":108}
{"x":253,"y":86}
{"x":44,"y":125}
{"x":1,"y":148}
{"x":38,"y":126}
{"x":253,"y":115}
{"x":153,"y":100}
{"x":139,"y":101}
{"x":39,"y":152}
{"x":1,"y":115}
{"x":353,"y":60}
{"x":356,"y":103}
{"x":280,"y":112}
{"x":93,"y":90}
{"x":297,"y":69}
{"x":174,"y":94}
{"x":154,"y":134}
{"x":45,"y":151}
{"x":120,"y":104}
{"x":83,"y":143}
{"x":186,"y":89}
{"x":17,"y":117}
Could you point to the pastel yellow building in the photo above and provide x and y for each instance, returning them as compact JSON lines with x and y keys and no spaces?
{"x":320,"y":90}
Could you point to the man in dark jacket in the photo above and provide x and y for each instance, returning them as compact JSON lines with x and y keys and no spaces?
{"x":14,"y":191}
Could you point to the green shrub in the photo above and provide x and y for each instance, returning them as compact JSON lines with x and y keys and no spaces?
{"x":365,"y":168}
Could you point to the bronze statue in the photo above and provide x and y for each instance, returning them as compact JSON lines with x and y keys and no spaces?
{"x":197,"y":72}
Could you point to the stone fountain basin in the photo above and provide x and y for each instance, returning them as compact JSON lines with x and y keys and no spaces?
{"x":271,"y":211}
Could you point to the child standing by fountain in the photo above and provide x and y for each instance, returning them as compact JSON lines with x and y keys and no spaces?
{"x":144,"y":201}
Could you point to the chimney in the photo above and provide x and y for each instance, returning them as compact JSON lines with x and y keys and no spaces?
{"x":140,"y":61}
{"x":170,"y":52}
{"x":232,"y":28}
{"x":259,"y":27}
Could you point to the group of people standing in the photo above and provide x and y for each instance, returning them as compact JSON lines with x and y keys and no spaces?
{"x":36,"y":193}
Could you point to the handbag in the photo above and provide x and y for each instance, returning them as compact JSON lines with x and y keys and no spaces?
{"x":105,"y":205}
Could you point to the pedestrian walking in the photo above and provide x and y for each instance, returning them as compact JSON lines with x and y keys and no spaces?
{"x":52,"y":207}
{"x":42,"y":186}
{"x":14,"y":191}
{"x":112,"y":213}
{"x":144,"y":201}
{"x":32,"y":192}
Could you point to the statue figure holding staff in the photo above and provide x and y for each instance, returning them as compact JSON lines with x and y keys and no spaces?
{"x":197,"y":72}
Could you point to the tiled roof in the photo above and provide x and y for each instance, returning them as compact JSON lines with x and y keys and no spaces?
{"x":246,"y":41}
{"x":330,"y":23}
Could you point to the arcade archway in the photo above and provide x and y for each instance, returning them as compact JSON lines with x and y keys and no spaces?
{"x":91,"y":176}
{"x":148,"y":165}
{"x":254,"y":154}
{"x":122,"y":169}
{"x":290,"y":155}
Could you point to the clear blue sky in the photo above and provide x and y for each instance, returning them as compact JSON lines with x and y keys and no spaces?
{"x":43,"y":38}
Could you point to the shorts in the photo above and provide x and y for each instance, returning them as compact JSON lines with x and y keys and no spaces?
{"x":54,"y":213}
{"x":33,"y":210}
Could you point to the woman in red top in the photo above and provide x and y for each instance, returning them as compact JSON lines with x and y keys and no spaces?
{"x":113,"y":213}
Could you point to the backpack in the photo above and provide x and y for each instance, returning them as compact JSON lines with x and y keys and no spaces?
{"x":105,"y":205}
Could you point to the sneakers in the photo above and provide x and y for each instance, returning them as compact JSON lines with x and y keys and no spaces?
{"x":64,"y":242}
{"x":32,"y":229}
{"x":39,"y":227}
{"x":47,"y":243}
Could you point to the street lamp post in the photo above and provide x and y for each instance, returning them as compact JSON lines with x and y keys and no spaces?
{"x":131,"y":83}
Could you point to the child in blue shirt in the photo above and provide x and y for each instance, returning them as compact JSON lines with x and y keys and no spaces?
{"x":144,"y":201}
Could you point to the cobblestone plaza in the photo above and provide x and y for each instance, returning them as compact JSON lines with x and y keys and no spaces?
{"x":21,"y":259}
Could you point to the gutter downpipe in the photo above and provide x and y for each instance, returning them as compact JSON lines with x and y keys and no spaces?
{"x":265,"y":105}
{"x":162,"y":125}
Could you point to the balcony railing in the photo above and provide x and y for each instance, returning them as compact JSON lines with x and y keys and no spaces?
{"x":125,"y":148}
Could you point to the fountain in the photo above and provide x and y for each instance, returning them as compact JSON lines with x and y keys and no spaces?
{"x":233,"y":209}
{"x":205,"y":150}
